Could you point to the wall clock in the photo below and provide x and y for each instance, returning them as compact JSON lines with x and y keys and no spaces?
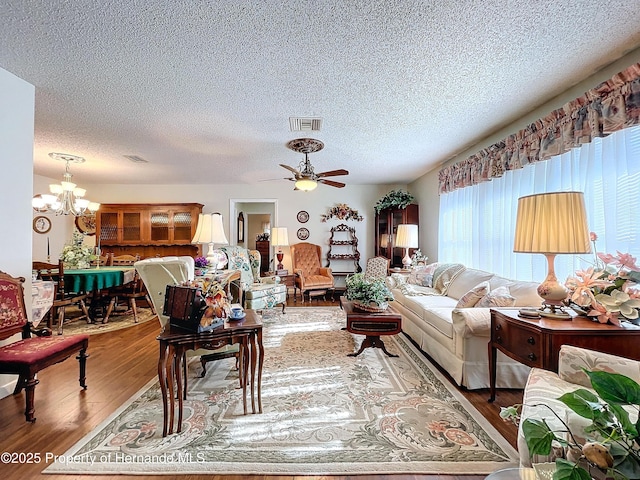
{"x":86,"y":224}
{"x":303,"y":233}
{"x":303,"y":217}
{"x":41,"y":224}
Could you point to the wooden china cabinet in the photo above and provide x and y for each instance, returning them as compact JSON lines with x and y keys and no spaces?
{"x":148,"y":230}
{"x":386,"y":225}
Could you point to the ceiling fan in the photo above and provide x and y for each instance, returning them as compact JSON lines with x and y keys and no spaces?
{"x":304,"y":176}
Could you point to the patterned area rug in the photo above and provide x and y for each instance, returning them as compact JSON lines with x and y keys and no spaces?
{"x":324,"y":413}
{"x":116,"y":322}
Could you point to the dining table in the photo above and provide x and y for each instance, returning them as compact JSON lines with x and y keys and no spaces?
{"x":95,"y":280}
{"x":42,"y":293}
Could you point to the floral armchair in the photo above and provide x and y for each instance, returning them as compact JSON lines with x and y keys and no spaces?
{"x":258,"y":292}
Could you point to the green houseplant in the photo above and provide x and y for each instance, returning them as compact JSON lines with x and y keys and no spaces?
{"x":371,"y":295}
{"x":613,"y":443}
{"x":395,"y":198}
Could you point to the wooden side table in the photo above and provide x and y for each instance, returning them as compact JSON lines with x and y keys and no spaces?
{"x":289,"y":280}
{"x":536,"y":342}
{"x":373,"y":325}
{"x":174,"y":343}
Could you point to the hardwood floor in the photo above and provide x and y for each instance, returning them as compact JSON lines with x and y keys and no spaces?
{"x":120,"y":364}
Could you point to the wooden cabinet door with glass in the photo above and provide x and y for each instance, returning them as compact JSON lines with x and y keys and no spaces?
{"x":386,"y":225}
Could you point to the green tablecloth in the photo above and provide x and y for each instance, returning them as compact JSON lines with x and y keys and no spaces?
{"x":90,"y":279}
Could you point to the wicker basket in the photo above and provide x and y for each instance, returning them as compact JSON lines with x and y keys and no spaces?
{"x":371,"y":307}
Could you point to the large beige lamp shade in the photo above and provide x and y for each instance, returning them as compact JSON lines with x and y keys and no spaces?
{"x":407,"y":237}
{"x":552,"y":224}
{"x":210,"y":231}
{"x":279,"y":238}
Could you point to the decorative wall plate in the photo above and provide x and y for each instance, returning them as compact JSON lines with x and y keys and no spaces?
{"x":303,"y":233}
{"x":41,"y":224}
{"x":303,"y":217}
{"x":86,"y":224}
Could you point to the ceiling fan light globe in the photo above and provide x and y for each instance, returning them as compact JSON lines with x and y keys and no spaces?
{"x":306,"y":184}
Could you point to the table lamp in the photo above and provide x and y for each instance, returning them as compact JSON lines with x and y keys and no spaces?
{"x":552,"y":224}
{"x":211,"y":231}
{"x":407,"y":237}
{"x":279,"y":238}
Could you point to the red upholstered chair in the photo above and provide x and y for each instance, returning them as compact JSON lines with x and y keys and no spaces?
{"x":29,"y":355}
{"x":310,"y":275}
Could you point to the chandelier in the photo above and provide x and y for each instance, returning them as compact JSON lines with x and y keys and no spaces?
{"x":65,"y":198}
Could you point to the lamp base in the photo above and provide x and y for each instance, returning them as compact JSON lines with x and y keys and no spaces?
{"x":280,"y":256}
{"x":406,"y":261}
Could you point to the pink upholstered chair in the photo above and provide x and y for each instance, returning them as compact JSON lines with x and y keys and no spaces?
{"x":310,"y":275}
{"x":28,"y":356}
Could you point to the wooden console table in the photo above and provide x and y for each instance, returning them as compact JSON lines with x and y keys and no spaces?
{"x":536,"y":342}
{"x":174,"y":343}
{"x":372,"y":325}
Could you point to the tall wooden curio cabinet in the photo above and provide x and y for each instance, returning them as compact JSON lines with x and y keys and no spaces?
{"x":386,"y":225}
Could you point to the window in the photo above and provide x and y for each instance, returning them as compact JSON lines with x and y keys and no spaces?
{"x":477,"y":223}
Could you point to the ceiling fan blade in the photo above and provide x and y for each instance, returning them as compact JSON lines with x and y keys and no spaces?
{"x":331,"y":182}
{"x":274,"y":179}
{"x":291,"y":169}
{"x":333,"y":173}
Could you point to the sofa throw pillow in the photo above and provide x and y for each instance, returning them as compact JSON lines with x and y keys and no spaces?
{"x":499,"y":297}
{"x":421,"y":275}
{"x":473,"y":296}
{"x":396,"y":280}
{"x":444,"y":274}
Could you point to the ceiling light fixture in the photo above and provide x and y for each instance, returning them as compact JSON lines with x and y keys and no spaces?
{"x":65,"y":198}
{"x":306,"y":184}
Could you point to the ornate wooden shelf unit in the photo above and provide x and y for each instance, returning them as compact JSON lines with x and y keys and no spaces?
{"x":147,"y":229}
{"x":351,"y":254}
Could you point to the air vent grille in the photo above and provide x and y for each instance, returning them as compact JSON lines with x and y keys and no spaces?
{"x":305,"y":124}
{"x":135,"y":159}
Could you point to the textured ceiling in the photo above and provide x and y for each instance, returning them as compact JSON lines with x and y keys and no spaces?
{"x":204,"y":90}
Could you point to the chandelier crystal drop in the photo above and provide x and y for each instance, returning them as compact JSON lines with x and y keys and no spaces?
{"x":66,"y":198}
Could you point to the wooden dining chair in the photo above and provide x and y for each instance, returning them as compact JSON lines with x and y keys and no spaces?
{"x":130,"y":292}
{"x":102,"y":260}
{"x":26,"y":357}
{"x":54,"y":272}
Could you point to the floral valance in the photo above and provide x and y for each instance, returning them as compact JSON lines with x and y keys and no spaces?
{"x":611,"y":106}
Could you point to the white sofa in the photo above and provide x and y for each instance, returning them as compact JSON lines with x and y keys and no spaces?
{"x":543,"y":389}
{"x":457,"y":338}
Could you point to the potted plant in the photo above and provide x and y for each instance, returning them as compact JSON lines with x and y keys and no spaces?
{"x":371,"y":295}
{"x":612,"y":448}
{"x":395,"y":198}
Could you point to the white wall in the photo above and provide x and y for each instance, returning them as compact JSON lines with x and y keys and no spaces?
{"x":17,"y":100}
{"x":216,"y":198}
{"x":425,"y":188}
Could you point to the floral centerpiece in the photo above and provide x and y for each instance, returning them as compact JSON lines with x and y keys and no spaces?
{"x":606,"y":292}
{"x":342,"y":211}
{"x":395,"y":198}
{"x":201,"y":264}
{"x":76,"y":254}
{"x":371,"y":295}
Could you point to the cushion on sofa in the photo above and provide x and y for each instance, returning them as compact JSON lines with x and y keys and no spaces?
{"x":472,"y":297}
{"x":500,"y":297}
{"x":525,"y":293}
{"x":444,"y":275}
{"x":466,"y":280}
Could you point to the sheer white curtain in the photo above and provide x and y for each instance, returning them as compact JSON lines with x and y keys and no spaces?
{"x":477,"y":223}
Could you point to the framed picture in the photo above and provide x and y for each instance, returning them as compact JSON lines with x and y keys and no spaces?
{"x":41,"y":224}
{"x":303,"y":217}
{"x":240,"y":227}
{"x":86,"y":224}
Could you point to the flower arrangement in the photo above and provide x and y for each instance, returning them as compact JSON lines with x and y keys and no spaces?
{"x":612,"y":443}
{"x":395,"y":198}
{"x":201,"y":262}
{"x":604,"y":291}
{"x":75,"y":254}
{"x":342,"y":211}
